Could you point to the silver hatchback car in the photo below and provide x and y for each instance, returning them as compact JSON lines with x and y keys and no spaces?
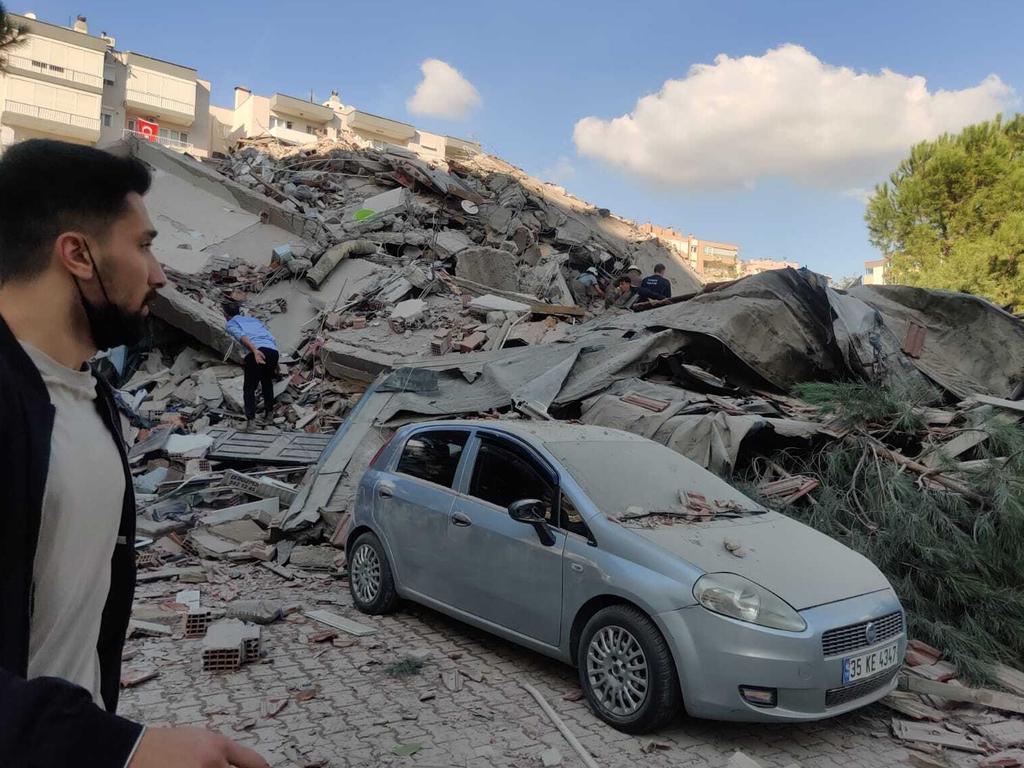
{"x":580,"y":543}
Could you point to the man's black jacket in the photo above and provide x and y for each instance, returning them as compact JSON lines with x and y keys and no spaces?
{"x":655,"y":287}
{"x":48,"y":721}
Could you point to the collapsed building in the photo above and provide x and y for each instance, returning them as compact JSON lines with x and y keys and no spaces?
{"x":402,"y":291}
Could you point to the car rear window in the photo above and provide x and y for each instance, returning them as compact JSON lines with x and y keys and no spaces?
{"x":433,"y":456}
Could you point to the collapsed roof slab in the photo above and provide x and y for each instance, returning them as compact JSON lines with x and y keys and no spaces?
{"x":193,"y":205}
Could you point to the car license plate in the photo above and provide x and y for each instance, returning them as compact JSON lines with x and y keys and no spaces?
{"x":870,"y":664}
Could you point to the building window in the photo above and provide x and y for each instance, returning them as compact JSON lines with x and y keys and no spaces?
{"x":131,"y":124}
{"x":55,"y":68}
{"x":289,"y":124}
{"x":693,"y":249}
{"x":184,"y":138}
{"x":108,"y":119}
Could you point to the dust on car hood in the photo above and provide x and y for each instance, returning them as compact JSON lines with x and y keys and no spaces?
{"x":802,"y":566}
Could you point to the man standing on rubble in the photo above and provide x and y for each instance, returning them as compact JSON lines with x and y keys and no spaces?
{"x":76,"y":273}
{"x":260,"y":361}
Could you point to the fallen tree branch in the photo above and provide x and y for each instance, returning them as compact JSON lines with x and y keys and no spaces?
{"x":898,"y":458}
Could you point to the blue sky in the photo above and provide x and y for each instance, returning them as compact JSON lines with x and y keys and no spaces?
{"x":540,"y":67}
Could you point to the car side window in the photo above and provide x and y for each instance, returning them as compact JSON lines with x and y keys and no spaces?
{"x":572,"y":521}
{"x":433,"y":456}
{"x":504,"y":474}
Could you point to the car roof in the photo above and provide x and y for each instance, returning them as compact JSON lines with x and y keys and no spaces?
{"x":542,"y":431}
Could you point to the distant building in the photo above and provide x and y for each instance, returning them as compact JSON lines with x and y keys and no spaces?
{"x":63,"y":83}
{"x":710,"y":259}
{"x":757,"y":266}
{"x":298,"y":121}
{"x":874,"y":272}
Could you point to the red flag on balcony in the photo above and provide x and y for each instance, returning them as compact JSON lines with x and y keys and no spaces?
{"x":148,"y":130}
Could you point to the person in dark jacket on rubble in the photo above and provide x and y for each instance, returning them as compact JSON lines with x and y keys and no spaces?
{"x":76,"y":274}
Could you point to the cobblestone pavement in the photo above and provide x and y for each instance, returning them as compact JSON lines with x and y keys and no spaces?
{"x":361,"y":710}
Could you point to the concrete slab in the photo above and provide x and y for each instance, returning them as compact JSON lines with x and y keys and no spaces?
{"x":492,"y":267}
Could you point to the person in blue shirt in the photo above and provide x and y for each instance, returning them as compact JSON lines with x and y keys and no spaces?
{"x":655,"y":287}
{"x":260,"y":362}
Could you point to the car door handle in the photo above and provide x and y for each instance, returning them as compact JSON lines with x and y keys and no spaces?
{"x":461,"y":520}
{"x":385,"y":491}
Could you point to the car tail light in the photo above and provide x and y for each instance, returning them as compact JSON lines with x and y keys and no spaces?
{"x":380,"y":450}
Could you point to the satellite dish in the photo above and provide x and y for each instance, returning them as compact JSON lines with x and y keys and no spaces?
{"x":470,"y":207}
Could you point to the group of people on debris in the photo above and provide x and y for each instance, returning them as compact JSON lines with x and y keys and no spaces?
{"x":626,"y":290}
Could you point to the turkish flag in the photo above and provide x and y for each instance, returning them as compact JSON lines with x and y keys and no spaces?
{"x":148,"y":130}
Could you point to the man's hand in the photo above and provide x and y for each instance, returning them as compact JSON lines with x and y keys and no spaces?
{"x":259,"y":357}
{"x":192,"y":748}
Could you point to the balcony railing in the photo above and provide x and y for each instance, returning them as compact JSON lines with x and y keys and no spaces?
{"x":54,"y":70}
{"x":167,"y":141}
{"x":162,"y":102}
{"x":53,"y":115}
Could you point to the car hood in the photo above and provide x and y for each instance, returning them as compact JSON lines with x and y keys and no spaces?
{"x":799,"y":564}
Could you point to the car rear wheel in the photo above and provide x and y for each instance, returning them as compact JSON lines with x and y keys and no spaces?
{"x":369,"y":576}
{"x":626,"y":670}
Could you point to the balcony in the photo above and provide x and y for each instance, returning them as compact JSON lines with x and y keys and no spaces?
{"x":55,"y":73}
{"x":161,"y":107}
{"x":177,"y":146}
{"x":456,"y":148}
{"x":291,"y":136}
{"x":372,"y":126}
{"x":307,"y":110}
{"x":62,"y":124}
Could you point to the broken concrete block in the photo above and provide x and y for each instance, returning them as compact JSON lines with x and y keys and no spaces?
{"x":409,"y":311}
{"x":262,"y":511}
{"x":258,"y":611}
{"x":209,"y":389}
{"x":449,"y":242}
{"x":497,"y":217}
{"x":490,"y":303}
{"x":551,"y":758}
{"x":346,"y":361}
{"x":188,"y":446}
{"x":573,"y":232}
{"x":312,"y":556}
{"x":205,"y":324}
{"x":492,"y":267}
{"x":228,"y":644}
{"x":387,"y":202}
{"x":326,"y":264}
{"x":283,"y":254}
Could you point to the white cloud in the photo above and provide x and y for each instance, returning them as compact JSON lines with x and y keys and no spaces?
{"x":443,"y":92}
{"x":560,"y":172}
{"x":783,"y":114}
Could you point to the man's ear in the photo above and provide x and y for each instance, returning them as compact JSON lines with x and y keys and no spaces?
{"x":72,"y":251}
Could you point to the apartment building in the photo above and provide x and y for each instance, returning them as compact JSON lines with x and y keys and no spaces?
{"x":53,"y":86}
{"x":757,"y":266}
{"x":874,"y":272}
{"x":710,"y":259}
{"x":67,"y":84}
{"x":299,"y":121}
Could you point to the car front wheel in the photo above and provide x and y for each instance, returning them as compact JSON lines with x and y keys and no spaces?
{"x":626,"y":670}
{"x":369,"y":576}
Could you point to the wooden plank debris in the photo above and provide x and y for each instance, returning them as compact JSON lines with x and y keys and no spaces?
{"x":1011,"y":679}
{"x":938,"y":736}
{"x":993,"y":699}
{"x":1009,"y":733}
{"x":910,"y":704}
{"x":998,"y":402}
{"x":340,"y":622}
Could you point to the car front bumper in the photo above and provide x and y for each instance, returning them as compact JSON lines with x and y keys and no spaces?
{"x":715,"y":655}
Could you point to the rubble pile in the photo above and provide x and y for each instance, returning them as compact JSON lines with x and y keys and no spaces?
{"x":886,"y":416}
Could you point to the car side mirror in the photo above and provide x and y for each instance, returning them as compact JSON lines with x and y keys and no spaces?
{"x":531,"y":512}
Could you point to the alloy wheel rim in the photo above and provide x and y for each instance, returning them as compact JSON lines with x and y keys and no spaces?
{"x":617,"y":670}
{"x":366,"y":574}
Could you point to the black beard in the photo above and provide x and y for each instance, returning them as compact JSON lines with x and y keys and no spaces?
{"x":111,"y":326}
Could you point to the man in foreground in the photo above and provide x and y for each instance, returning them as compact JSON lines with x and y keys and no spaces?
{"x":260,"y":361}
{"x":76,"y":273}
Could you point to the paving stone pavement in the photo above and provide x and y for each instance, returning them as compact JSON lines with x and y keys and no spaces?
{"x":361,"y":710}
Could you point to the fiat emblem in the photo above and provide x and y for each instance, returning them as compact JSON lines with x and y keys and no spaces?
{"x":871,"y":632}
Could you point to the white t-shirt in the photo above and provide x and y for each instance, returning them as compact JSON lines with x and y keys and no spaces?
{"x":81,"y":515}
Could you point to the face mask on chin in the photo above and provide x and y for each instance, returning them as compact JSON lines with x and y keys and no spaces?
{"x":110,"y":325}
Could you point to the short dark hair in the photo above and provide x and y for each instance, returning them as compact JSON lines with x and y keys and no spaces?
{"x":623,"y":279}
{"x":49,"y":187}
{"x":659,"y":268}
{"x":231,"y":308}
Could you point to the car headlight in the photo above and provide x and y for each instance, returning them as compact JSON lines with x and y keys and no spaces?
{"x":739,"y":598}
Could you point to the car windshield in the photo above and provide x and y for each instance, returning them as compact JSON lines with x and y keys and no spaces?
{"x":627,"y":479}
